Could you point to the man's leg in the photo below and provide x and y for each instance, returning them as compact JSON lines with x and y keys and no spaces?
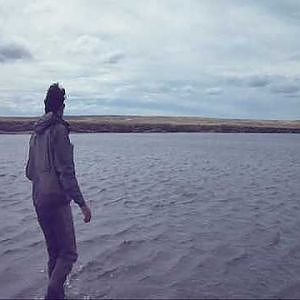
{"x":65,"y":236}
{"x":46,"y":221}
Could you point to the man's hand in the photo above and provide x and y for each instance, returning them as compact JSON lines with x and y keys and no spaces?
{"x":87,"y":215}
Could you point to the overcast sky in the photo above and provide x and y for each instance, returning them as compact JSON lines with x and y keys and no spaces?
{"x":224,"y":59}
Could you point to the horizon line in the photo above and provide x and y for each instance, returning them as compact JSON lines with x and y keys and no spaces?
{"x":153,"y":116}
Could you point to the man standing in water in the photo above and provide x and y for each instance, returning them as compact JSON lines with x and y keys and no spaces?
{"x":51,"y":169}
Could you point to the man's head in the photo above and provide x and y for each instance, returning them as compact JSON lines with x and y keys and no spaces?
{"x":55,"y":99}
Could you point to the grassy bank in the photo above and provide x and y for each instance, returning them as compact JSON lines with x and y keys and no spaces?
{"x":155,"y":124}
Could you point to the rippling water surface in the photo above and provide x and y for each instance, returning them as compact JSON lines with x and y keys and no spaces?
{"x":174,"y":216}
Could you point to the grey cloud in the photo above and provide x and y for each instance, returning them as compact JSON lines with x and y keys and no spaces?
{"x":287,"y":9}
{"x":276,"y":84}
{"x":294,"y":57}
{"x":213,"y":91}
{"x":12,"y":52}
{"x":173,"y":86}
{"x":115,"y":58}
{"x":288,"y":89}
{"x":133,"y":103}
{"x":249,"y":81}
{"x":257,"y":81}
{"x":288,"y":86}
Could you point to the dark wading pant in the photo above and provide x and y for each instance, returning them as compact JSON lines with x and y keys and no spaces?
{"x":58,"y":228}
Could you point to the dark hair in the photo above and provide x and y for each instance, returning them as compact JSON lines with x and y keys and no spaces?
{"x":55,"y":98}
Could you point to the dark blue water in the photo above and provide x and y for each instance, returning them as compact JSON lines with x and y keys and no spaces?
{"x":174,"y":216}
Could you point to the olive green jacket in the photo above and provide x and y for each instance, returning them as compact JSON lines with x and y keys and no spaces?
{"x":50,"y":165}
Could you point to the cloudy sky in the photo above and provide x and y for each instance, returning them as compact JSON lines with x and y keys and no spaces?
{"x":224,"y":59}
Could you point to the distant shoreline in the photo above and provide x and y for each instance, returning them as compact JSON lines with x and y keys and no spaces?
{"x":146,"y":124}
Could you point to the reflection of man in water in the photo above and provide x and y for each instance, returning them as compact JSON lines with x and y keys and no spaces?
{"x":51,"y":169}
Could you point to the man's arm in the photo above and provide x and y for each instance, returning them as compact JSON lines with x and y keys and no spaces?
{"x":64,"y":164}
{"x":29,"y":165}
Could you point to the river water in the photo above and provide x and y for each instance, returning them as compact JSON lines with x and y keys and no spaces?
{"x":180,"y":215}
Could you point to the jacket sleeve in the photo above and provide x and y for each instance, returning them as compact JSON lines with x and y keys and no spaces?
{"x":29,"y":165}
{"x":64,"y":164}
